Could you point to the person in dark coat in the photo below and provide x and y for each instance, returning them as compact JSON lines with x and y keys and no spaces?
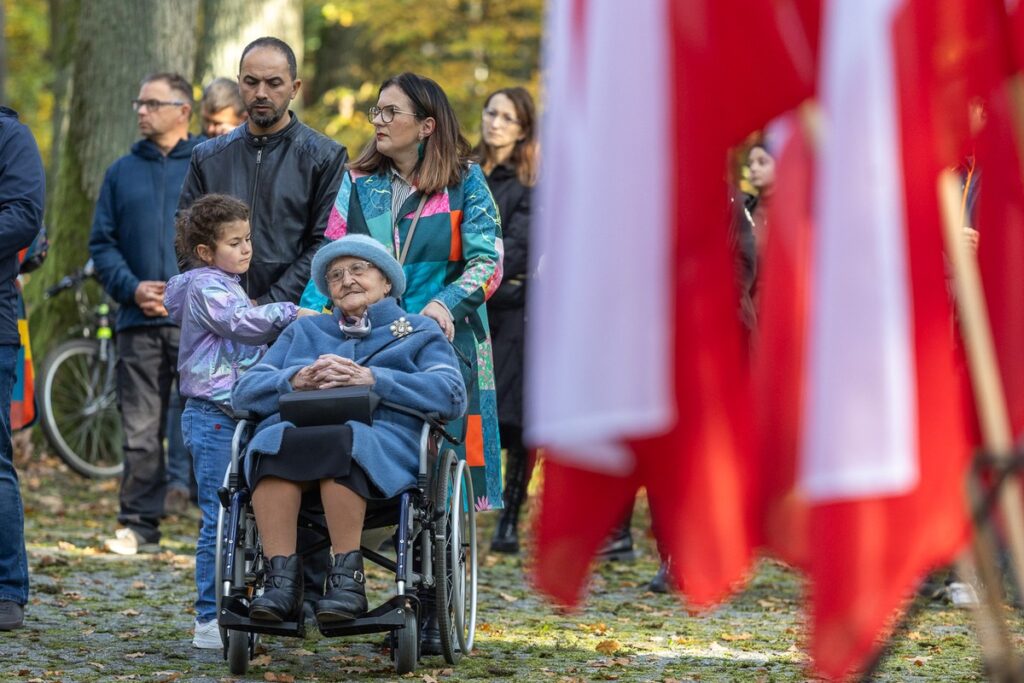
{"x":132,"y":245}
{"x":22,"y":183}
{"x":508,"y":154}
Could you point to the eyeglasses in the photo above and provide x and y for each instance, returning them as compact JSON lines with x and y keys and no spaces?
{"x":154,"y":104}
{"x":503,"y":118}
{"x":387,"y":114}
{"x":355,"y":270}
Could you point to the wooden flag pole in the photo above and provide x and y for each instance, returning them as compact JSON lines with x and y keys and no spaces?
{"x":995,"y":430}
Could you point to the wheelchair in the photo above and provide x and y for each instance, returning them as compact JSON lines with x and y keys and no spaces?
{"x":435,"y":556}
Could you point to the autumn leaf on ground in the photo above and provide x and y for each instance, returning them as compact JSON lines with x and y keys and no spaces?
{"x":167,"y":676}
{"x":278,"y":678}
{"x":262,"y":660}
{"x":607,"y":647}
{"x":508,"y":598}
{"x":129,"y":613}
{"x":135,"y":655}
{"x":918,"y":661}
{"x":730,"y":637}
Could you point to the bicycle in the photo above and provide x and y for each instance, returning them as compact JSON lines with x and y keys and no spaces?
{"x":78,"y":394}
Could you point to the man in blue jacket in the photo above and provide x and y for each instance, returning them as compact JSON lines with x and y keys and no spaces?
{"x":22,"y":185}
{"x":132,"y":245}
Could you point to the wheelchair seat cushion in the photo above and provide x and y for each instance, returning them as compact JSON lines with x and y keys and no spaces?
{"x":315,"y":453}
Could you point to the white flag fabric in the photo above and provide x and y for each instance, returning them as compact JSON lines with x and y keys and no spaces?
{"x":600,"y":322}
{"x":860,"y":421}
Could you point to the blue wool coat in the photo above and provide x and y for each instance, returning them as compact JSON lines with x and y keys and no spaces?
{"x":419,"y":371}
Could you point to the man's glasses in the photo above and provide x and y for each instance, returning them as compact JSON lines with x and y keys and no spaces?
{"x":502,"y":118}
{"x":155,"y":104}
{"x":387,"y":114}
{"x":355,"y":270}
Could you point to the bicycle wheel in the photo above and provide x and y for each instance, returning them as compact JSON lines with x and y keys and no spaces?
{"x":78,"y":407}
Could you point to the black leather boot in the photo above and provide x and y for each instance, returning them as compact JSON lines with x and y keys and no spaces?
{"x":282,"y":597}
{"x":619,"y":546}
{"x":345,"y":598}
{"x":506,"y":534}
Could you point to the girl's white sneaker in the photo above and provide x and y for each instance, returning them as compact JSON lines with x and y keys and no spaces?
{"x":207,"y":636}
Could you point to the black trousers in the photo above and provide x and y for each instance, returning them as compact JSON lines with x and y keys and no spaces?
{"x":147,"y":362}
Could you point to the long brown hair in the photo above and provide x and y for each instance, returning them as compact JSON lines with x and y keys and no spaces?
{"x":446,"y":153}
{"x":525,"y":155}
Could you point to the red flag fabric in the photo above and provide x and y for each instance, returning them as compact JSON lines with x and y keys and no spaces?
{"x":1000,"y":220}
{"x":778,"y":366}
{"x":694,"y":459}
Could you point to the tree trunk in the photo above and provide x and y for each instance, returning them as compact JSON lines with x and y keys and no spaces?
{"x":62,"y":42}
{"x":117,"y":42}
{"x":230,"y":25}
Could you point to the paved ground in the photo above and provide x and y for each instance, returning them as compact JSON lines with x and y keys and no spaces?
{"x":100,"y":617}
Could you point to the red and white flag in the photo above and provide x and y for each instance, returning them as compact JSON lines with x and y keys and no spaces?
{"x":637,"y":374}
{"x":876,"y":497}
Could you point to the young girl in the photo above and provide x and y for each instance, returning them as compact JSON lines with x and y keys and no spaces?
{"x":222,"y":334}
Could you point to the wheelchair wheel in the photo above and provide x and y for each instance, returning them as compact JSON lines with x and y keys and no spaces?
{"x":406,"y":644}
{"x":244,"y":582}
{"x":455,"y":557}
{"x":238,"y":651}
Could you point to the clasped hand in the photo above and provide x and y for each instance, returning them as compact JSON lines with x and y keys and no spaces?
{"x":329,"y":371}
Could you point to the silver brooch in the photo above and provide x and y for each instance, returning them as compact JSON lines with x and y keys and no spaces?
{"x":401,"y":327}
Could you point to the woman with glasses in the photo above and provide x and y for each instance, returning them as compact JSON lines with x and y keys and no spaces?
{"x":414,"y":189}
{"x":508,"y":154}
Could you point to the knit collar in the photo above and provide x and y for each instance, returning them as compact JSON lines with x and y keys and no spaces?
{"x":380,"y":314}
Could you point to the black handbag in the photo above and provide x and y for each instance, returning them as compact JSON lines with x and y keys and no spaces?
{"x":329,"y":406}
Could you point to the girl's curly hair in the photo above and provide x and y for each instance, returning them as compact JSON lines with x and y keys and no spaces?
{"x":203,"y":224}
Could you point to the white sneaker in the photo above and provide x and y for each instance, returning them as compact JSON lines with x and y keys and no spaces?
{"x":962,"y":594}
{"x":129,"y":542}
{"x":207,"y":636}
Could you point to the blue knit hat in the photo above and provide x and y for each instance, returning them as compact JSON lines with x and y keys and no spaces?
{"x":360,"y":246}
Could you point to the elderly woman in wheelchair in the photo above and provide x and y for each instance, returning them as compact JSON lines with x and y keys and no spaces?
{"x":368,"y":342}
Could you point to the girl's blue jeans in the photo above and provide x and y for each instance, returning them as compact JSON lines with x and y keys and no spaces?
{"x":207,"y":431}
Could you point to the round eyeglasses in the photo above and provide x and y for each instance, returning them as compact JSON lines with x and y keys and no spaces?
{"x":387,"y":114}
{"x":355,"y":270}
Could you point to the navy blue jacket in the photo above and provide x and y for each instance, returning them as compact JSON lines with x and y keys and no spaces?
{"x":132,"y":235}
{"x":22,"y":189}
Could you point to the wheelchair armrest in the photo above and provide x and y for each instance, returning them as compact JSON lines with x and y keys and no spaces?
{"x":247,"y":415}
{"x":433,"y":419}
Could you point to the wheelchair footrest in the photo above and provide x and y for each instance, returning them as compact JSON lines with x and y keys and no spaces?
{"x":387,"y":617}
{"x":234,"y":615}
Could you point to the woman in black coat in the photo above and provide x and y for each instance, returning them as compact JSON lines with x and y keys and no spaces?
{"x":508,"y":156}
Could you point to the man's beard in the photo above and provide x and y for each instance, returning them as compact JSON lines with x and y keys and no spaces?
{"x":265,"y":120}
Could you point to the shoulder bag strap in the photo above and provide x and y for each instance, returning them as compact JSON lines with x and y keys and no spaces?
{"x":412,"y":230}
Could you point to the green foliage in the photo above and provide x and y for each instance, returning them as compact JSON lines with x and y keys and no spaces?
{"x":30,"y":67}
{"x":470,"y":47}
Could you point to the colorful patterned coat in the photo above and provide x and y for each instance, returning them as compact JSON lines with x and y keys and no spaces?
{"x":455,"y":257}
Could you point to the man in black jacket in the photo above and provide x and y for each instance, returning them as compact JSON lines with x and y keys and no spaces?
{"x":287,"y":172}
{"x":21,"y":215}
